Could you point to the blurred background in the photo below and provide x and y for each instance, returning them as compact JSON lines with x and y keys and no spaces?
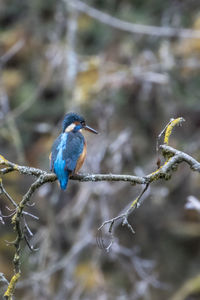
{"x":127,"y":80}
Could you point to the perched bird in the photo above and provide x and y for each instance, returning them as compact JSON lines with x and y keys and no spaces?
{"x":69,"y":149}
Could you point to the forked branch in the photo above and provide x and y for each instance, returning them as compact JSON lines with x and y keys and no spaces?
{"x":172,"y":159}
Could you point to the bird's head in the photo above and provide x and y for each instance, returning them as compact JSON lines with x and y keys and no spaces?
{"x":74,"y":122}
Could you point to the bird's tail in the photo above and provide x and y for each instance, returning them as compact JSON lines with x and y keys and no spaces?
{"x":64,"y":180}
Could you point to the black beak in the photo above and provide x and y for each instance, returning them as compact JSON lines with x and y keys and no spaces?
{"x":88,"y":128}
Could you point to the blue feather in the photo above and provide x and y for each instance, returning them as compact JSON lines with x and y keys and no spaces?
{"x":60,"y":163}
{"x":65,"y":153}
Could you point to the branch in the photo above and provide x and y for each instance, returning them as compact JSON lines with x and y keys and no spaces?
{"x":130,"y":27}
{"x":124,"y":216}
{"x":172,"y":157}
{"x":179,"y":157}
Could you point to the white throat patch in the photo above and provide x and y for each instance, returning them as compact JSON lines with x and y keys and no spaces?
{"x":70,"y":127}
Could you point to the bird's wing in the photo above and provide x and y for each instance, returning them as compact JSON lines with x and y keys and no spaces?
{"x":67,"y":148}
{"x":73,"y":150}
{"x":54,"y":152}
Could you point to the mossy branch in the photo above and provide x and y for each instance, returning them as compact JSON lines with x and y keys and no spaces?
{"x":11,"y":287}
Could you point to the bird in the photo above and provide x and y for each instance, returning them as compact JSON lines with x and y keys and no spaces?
{"x":69,"y":149}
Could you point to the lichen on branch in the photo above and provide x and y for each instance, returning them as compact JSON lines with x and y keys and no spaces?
{"x":11,"y":287}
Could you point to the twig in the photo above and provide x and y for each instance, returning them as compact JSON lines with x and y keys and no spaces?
{"x":4,"y":99}
{"x":29,"y":245}
{"x":3,"y":191}
{"x":30,"y":215}
{"x":1,"y":218}
{"x":168,"y":130}
{"x":27,"y":227}
{"x":135,"y":204}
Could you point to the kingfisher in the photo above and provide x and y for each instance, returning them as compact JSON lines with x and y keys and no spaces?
{"x":69,"y":149}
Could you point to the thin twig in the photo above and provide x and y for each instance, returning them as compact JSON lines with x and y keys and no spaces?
{"x":135,"y":204}
{"x":170,"y":125}
{"x":27,"y":227}
{"x":3,"y":191}
{"x":29,"y":245}
{"x":30,"y":215}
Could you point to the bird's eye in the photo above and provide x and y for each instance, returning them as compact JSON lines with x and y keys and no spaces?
{"x":82,"y":123}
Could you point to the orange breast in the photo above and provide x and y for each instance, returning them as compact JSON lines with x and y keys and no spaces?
{"x":81,"y":159}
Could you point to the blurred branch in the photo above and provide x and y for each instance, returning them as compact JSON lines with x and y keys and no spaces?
{"x":189,"y":288}
{"x":61,"y":264}
{"x":130,"y":27}
{"x":24,"y":106}
{"x":172,"y":157}
{"x":10,"y":116}
{"x":4,"y":100}
{"x":11,"y":52}
{"x":71,"y":56}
